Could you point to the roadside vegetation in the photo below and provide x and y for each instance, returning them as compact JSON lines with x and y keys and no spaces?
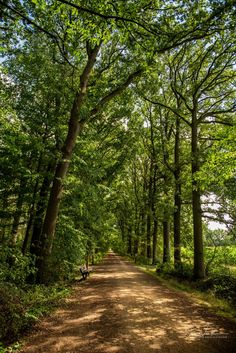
{"x":217,"y":291}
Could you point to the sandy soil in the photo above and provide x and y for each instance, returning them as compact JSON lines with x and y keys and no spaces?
{"x":122,"y":309}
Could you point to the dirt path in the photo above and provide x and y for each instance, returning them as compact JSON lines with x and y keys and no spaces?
{"x":121,"y":309}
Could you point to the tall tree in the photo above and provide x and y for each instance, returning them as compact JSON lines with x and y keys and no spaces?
{"x":82,"y":35}
{"x":202,"y":81}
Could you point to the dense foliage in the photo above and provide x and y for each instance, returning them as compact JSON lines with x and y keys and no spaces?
{"x":117,"y":130}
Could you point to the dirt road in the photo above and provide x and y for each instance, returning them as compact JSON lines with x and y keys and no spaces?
{"x":121,"y":309}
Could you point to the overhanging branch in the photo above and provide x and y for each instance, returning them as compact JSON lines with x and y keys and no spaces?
{"x":36,"y":25}
{"x":27,"y":19}
{"x":115,"y":92}
{"x":106,"y":17}
{"x":167,"y":107}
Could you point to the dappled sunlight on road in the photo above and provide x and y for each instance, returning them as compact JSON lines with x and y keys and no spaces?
{"x":121,"y":309}
{"x":128,"y":275}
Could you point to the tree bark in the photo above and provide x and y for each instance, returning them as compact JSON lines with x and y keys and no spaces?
{"x":166,"y":241}
{"x":136,"y":232}
{"x":5,"y":219}
{"x":122,"y":229}
{"x":31,"y":213}
{"x":149,"y":249}
{"x":177,"y":197}
{"x":30,"y":220}
{"x":149,"y":211}
{"x":154,"y":241}
{"x":143,"y":239}
{"x":18,"y":212}
{"x":129,"y":240}
{"x":40,"y":209}
{"x":177,"y":226}
{"x":155,"y":220}
{"x":143,"y":216}
{"x":199,"y":269}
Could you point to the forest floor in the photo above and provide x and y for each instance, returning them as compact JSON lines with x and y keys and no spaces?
{"x":122,"y":309}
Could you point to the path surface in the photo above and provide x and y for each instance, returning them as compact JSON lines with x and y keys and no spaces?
{"x":122,"y":309}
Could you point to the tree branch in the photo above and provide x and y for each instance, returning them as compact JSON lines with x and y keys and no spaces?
{"x":214,"y":105}
{"x":216,"y":219}
{"x":26,"y":18}
{"x":167,"y":107}
{"x":222,"y":122}
{"x":115,"y":92}
{"x":106,"y":17}
{"x":214,"y":114}
{"x":34,"y":24}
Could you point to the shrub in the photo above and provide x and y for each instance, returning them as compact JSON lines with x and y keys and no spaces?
{"x":222,"y":286}
{"x":11,"y":313}
{"x":183,"y":271}
{"x":19,"y":308}
{"x":142,"y":260}
{"x":14,"y":267}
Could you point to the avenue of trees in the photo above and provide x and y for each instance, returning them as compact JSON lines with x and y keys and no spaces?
{"x":117,"y":129}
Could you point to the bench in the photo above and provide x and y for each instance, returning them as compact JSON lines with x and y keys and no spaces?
{"x":84,"y":272}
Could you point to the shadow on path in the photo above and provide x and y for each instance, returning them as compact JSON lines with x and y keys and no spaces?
{"x":122,"y":309}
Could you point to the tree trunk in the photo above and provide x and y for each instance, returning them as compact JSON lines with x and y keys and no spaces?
{"x":129,"y":240}
{"x":18,"y":212}
{"x":177,"y":225}
{"x":166,"y":242}
{"x":136,"y":233}
{"x":75,"y":127}
{"x":5,"y":219}
{"x":154,"y":215}
{"x":149,"y":211}
{"x":199,"y":270}
{"x":136,"y":245}
{"x":32,"y":208}
{"x":149,"y":249}
{"x":31,"y":219}
{"x":122,"y":229}
{"x":40,"y":208}
{"x":143,"y":244}
{"x":154,"y":241}
{"x":177,"y":198}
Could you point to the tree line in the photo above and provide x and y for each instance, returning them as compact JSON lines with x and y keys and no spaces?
{"x":115,"y":120}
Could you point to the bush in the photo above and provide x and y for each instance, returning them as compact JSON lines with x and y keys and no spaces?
{"x":19,"y":309}
{"x":14,"y":267}
{"x":142,"y":260}
{"x":222,"y":286}
{"x":12,"y":313}
{"x":184,"y":270}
